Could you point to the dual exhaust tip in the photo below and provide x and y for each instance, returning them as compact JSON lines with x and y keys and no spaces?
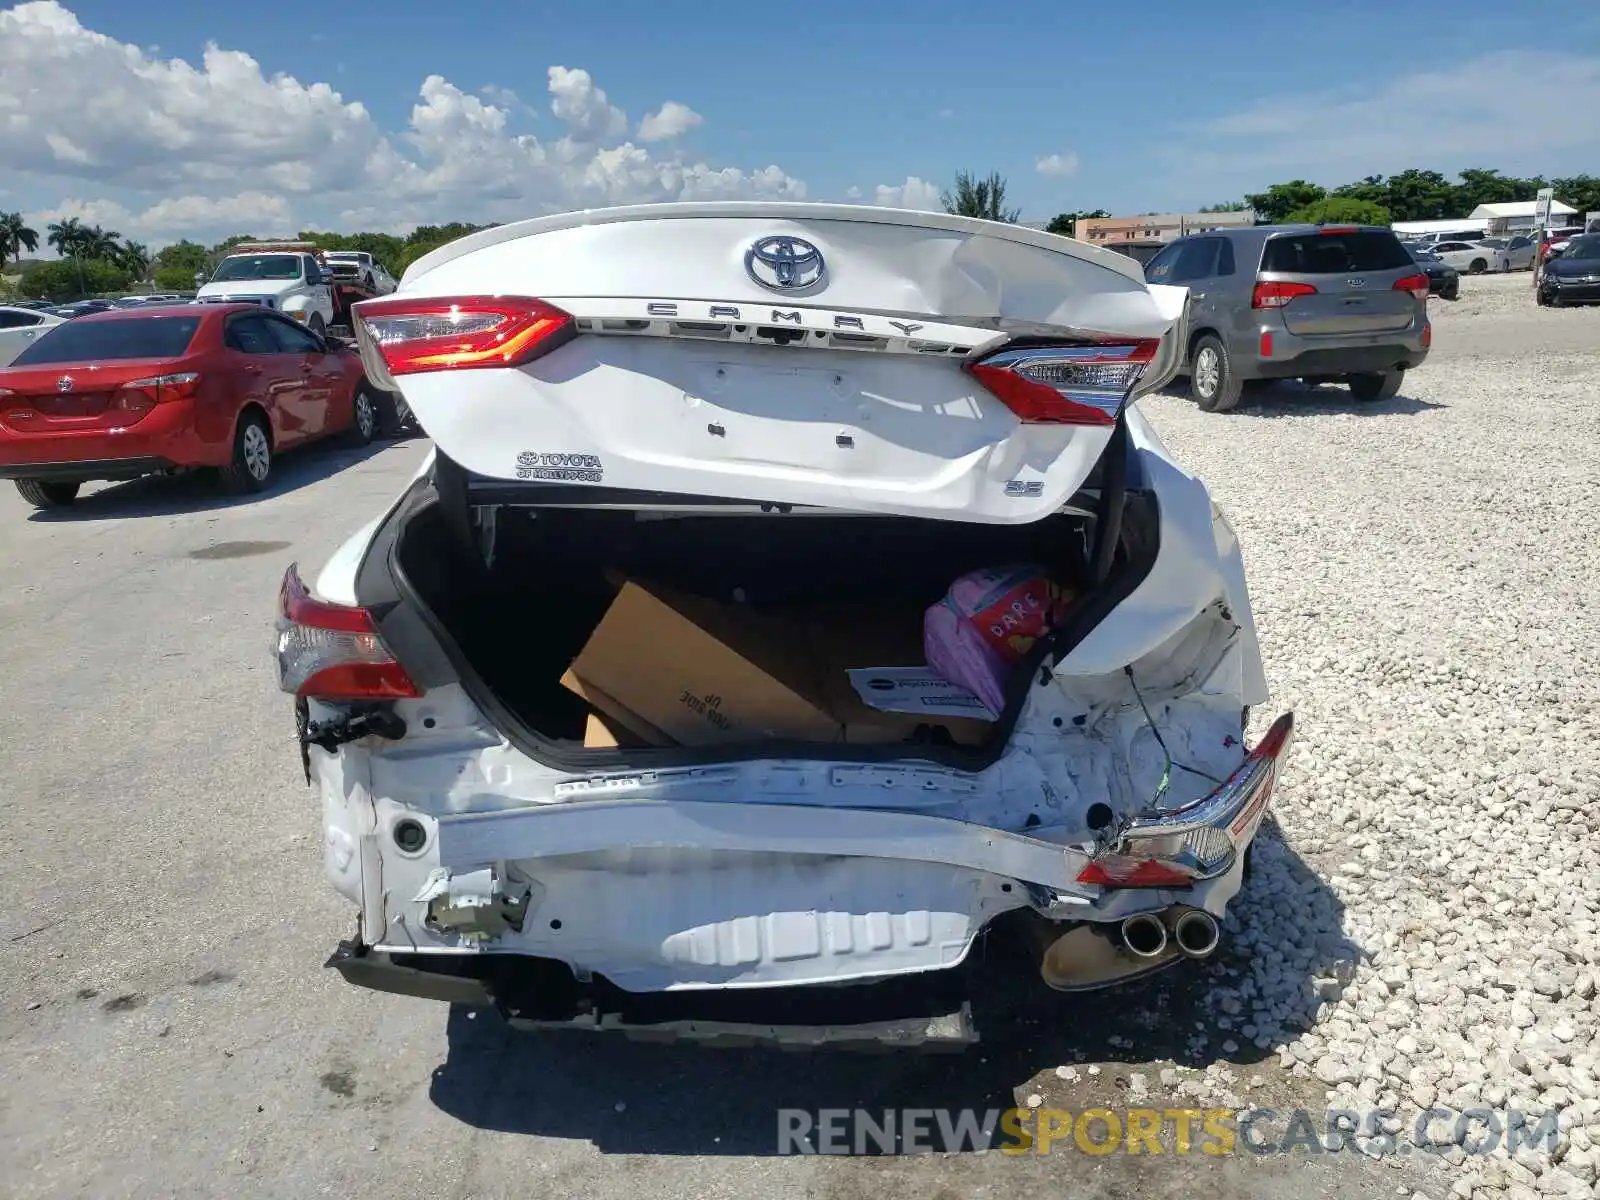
{"x":1194,"y":932}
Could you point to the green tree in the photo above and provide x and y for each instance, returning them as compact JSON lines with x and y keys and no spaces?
{"x":68,"y":280}
{"x":982,"y":198}
{"x":1278,"y":201}
{"x":187,"y":256}
{"x":66,"y":235}
{"x":134,"y":257}
{"x":1066,"y":224}
{"x":1417,"y":195}
{"x":1580,"y":191}
{"x":16,"y":236}
{"x":1338,"y":210}
{"x":104,"y":244}
{"x":175,"y":279}
{"x":1227,"y":206}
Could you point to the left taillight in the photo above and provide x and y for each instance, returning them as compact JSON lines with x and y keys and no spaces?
{"x":333,"y":651}
{"x":141,"y":395}
{"x":1416,"y":284}
{"x":414,"y":335}
{"x":1084,"y":384}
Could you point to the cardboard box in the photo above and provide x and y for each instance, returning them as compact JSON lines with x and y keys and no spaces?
{"x":655,"y":664}
{"x":604,"y":733}
{"x":616,"y":713}
{"x":671,"y":668}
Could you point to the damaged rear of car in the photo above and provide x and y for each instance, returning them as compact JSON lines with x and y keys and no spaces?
{"x":793,"y":599}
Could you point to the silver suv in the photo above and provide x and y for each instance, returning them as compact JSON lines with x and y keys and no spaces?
{"x":1322,"y":303}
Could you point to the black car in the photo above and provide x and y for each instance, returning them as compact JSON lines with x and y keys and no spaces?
{"x":1574,"y":278}
{"x":82,"y":308}
{"x":1444,"y":280}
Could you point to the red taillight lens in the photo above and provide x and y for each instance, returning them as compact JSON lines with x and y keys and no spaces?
{"x":1085,"y":384}
{"x":139,"y":397}
{"x":1427,"y":335}
{"x":458,"y":332}
{"x":1118,"y":870}
{"x":333,"y":651}
{"x":1331,"y":229}
{"x":1271,"y":294}
{"x":1416,"y":284}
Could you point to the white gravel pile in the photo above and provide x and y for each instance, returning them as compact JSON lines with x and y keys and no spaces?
{"x":1425,"y":576}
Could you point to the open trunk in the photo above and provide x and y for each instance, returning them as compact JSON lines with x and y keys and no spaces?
{"x":803,"y":595}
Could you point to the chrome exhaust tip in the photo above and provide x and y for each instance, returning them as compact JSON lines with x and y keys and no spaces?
{"x":1144,"y":935}
{"x":1196,"y":932}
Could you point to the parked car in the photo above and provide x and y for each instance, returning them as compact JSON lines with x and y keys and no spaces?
{"x":81,"y":308}
{"x":820,"y":869}
{"x":1515,"y":253}
{"x":1474,"y":258}
{"x":1444,"y":280}
{"x":359,"y":267}
{"x":153,"y":389}
{"x":1574,"y":276}
{"x":1465,"y":234}
{"x":19,"y":327}
{"x":1321,"y":303}
{"x":288,"y":281}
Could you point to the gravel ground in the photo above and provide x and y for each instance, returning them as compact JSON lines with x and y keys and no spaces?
{"x":1420,"y":929}
{"x":1423,"y":576}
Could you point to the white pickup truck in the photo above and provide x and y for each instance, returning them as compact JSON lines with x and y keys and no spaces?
{"x":361,"y":269}
{"x":288,"y":277}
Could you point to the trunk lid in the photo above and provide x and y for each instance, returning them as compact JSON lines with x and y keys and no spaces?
{"x":74,"y":396}
{"x":781,"y":353}
{"x":1353,"y":271}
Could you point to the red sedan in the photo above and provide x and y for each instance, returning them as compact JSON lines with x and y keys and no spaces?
{"x":129,"y":392}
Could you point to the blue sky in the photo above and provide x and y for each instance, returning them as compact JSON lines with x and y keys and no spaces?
{"x":1165,"y":104}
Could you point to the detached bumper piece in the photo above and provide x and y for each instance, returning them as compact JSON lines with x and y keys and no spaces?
{"x":921,"y":1011}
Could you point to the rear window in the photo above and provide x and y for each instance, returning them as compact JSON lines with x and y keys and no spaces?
{"x":1334,"y":253}
{"x":90,"y":341}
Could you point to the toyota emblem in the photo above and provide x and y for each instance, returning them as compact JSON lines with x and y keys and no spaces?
{"x":64,"y":384}
{"x":784,"y":263}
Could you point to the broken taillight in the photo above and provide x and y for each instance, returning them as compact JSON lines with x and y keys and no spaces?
{"x":333,"y":651}
{"x":1085,"y":384}
{"x":1182,"y":847}
{"x":451,"y":333}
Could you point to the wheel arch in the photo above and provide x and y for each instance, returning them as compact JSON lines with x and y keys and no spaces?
{"x":254,"y":408}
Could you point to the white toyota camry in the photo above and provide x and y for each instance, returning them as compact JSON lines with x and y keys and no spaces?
{"x":652,"y":704}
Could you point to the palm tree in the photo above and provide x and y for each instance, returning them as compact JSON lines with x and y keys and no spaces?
{"x":982,"y":198}
{"x":134,"y":258}
{"x":15,"y":237}
{"x":103,"y":244}
{"x":66,"y":235}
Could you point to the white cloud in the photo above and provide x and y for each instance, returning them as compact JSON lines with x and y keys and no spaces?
{"x":589,"y":116}
{"x":203,"y":217}
{"x":220,"y":142}
{"x":1448,"y":118}
{"x":913,"y":193}
{"x":674,"y":120}
{"x":1056,"y":165}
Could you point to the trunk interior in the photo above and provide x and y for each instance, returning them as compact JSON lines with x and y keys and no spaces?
{"x":520,"y":619}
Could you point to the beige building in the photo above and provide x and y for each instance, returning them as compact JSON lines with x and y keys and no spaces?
{"x":1157,"y":227}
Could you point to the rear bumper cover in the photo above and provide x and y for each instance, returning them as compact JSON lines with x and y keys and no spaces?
{"x":717,"y":898}
{"x":87,"y":469}
{"x":1347,"y":360}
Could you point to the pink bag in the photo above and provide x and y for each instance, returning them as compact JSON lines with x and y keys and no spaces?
{"x":986,"y":623}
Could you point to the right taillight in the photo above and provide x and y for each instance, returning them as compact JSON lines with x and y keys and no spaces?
{"x":1416,"y":284}
{"x":333,"y":651}
{"x":1084,"y":384}
{"x":1271,"y":293}
{"x":453,"y":333}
